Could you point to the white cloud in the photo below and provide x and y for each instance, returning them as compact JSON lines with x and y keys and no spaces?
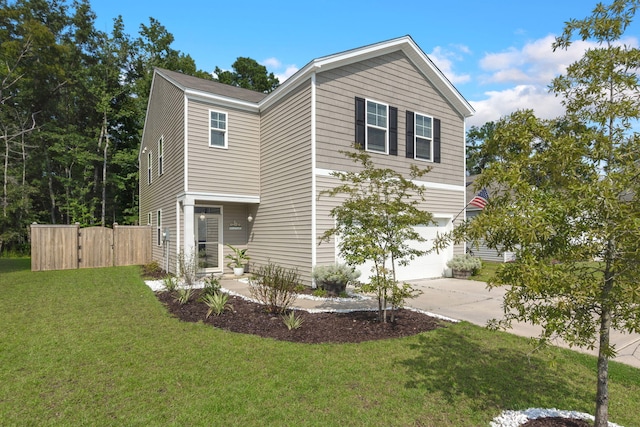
{"x":501,"y":103}
{"x":273,"y":63}
{"x":527,"y":72}
{"x":282,"y":72}
{"x":445,"y":58}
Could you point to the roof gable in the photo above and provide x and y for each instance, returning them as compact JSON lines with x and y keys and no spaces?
{"x":404,"y":44}
{"x":227,"y":94}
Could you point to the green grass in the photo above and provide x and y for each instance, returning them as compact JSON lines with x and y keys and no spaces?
{"x":487,"y":271}
{"x":95,"y":347}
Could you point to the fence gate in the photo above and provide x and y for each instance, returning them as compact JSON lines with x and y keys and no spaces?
{"x":95,"y":247}
{"x":63,"y":247}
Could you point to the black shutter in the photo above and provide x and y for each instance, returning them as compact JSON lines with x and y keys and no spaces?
{"x":436,"y":140}
{"x":410,"y":126}
{"x":393,"y":131}
{"x":360,"y":123}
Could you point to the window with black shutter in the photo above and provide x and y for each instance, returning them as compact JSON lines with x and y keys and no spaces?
{"x":376,"y":127}
{"x":422,"y":137}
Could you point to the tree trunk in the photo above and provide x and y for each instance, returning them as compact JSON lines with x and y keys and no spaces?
{"x":104,"y":179}
{"x":52,"y":195}
{"x":602,"y":394}
{"x":5,"y":170}
{"x":104,"y":135}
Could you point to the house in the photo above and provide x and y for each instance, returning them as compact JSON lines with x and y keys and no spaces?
{"x":481,"y":250}
{"x":223,"y":165}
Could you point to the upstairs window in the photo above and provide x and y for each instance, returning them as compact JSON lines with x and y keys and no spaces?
{"x":160,"y":156}
{"x":159,"y":226}
{"x":149,"y":168}
{"x":217,"y":129}
{"x":377,"y":126}
{"x":424,"y":137}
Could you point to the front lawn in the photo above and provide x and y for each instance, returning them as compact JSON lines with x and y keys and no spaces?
{"x":487,"y":271}
{"x":95,"y":347}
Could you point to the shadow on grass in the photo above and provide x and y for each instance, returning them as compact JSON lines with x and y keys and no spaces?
{"x":9,"y":265}
{"x":490,"y":369}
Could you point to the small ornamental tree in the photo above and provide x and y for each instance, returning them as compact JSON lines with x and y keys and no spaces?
{"x":565,"y":197}
{"x":376,"y":223}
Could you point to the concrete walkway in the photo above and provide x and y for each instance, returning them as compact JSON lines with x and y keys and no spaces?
{"x":456,"y":299}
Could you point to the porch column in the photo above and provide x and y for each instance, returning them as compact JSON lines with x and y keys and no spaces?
{"x":189,"y":231}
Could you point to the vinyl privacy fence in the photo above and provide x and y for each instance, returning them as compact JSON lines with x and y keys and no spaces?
{"x":64,"y":247}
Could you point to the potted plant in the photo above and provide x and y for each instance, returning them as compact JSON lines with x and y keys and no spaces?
{"x":463,"y":266}
{"x":238,"y":259}
{"x":334,"y":277}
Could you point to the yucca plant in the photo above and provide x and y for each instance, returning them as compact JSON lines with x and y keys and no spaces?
{"x":184,"y":295}
{"x":217,"y":303}
{"x":170,"y":283}
{"x":292,"y":321}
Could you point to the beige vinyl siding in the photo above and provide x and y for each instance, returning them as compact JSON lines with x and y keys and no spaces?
{"x":391,"y":79}
{"x":482,"y":251}
{"x":282,"y":228}
{"x":441,"y":203}
{"x":233,"y":170}
{"x":164,"y":119}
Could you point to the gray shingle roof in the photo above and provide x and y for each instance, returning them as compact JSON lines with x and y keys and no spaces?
{"x":216,"y":88}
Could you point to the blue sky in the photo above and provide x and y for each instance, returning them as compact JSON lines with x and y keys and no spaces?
{"x":496,"y":52}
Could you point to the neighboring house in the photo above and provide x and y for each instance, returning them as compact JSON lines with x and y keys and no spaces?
{"x":481,"y":250}
{"x":223,"y":165}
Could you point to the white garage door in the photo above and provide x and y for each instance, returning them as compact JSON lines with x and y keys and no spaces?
{"x":431,"y":265}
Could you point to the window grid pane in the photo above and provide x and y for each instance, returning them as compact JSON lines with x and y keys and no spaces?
{"x":218,"y":120}
{"x":423,"y":126}
{"x":376,"y":114}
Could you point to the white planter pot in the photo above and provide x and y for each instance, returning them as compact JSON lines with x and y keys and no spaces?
{"x":238,"y":271}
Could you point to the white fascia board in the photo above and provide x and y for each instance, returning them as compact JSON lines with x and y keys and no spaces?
{"x":191,"y":196}
{"x":144,"y":126}
{"x":209,"y":98}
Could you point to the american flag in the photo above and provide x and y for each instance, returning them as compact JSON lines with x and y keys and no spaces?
{"x":481,"y":199}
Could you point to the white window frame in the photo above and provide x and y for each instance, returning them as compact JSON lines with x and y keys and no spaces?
{"x":149,"y":167}
{"x":416,"y":136}
{"x":375,"y":126}
{"x":159,"y":227}
{"x":225,"y":131}
{"x":149,"y":218}
{"x":161,"y":156}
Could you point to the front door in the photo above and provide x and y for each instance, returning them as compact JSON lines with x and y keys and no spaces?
{"x":208,"y":232}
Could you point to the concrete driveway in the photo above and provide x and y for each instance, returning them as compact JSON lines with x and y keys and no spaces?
{"x":471,"y":301}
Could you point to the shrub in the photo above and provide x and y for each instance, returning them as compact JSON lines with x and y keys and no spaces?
{"x":211,"y":286}
{"x":217,"y":303}
{"x":152,"y":270}
{"x":465,"y":263}
{"x":275,"y":287}
{"x":292,"y":321}
{"x":188,"y":266}
{"x":334,"y":277}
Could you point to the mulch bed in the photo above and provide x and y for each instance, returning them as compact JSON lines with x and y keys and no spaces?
{"x":250,"y":318}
